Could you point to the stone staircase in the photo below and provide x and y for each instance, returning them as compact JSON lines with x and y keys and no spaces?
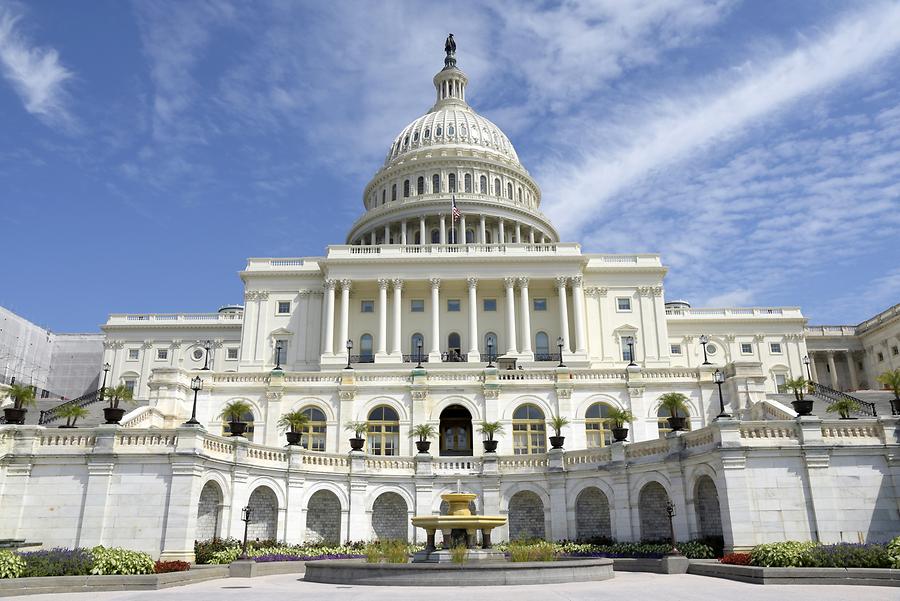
{"x":43,"y":413}
{"x":880,"y":400}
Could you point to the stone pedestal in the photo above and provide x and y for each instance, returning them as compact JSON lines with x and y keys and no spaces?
{"x":444,"y":556}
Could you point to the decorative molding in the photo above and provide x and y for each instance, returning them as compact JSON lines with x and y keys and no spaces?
{"x":491,"y":393}
{"x":509,"y":282}
{"x":329,"y":284}
{"x":176,"y":344}
{"x":419,"y":394}
{"x":383,"y":283}
{"x":147,"y":344}
{"x":561,"y":281}
{"x":262,"y":294}
{"x":435,"y":282}
{"x":218,"y":342}
{"x":576,"y":281}
{"x":472,"y":282}
{"x":398,"y":284}
{"x":250,"y":295}
{"x":634,"y":391}
{"x":730,"y":337}
{"x":304,"y":292}
{"x":347,"y":394}
{"x":523,"y":282}
{"x":346,"y":284}
{"x":274,"y":395}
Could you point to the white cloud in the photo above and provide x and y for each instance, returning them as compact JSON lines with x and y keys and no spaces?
{"x":34,"y":72}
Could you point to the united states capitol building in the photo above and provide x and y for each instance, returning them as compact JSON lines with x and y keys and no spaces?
{"x":426,"y":315}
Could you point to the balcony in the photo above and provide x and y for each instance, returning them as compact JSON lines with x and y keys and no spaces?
{"x":737,"y":313}
{"x":163,"y":319}
{"x":383,"y":251}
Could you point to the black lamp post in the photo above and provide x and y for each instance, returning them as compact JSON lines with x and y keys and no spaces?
{"x":490,"y":346}
{"x":419,"y":358}
{"x":670,"y":511}
{"x":245,"y":517}
{"x":207,"y":346}
{"x":278,"y":356}
{"x":806,"y":362}
{"x":349,"y":348}
{"x":196,"y":385}
{"x":106,"y":368}
{"x":719,"y":378}
{"x":631,"y":352}
{"x":559,"y":344}
{"x":704,"y":339}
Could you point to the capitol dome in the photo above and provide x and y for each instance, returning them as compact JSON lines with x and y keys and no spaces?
{"x":451,"y":154}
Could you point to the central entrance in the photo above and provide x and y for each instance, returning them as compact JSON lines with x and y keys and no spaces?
{"x":456,"y":431}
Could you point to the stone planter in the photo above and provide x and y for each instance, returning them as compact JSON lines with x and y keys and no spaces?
{"x":620,"y":434}
{"x":895,"y":406}
{"x":490,"y":446}
{"x":423,"y":445}
{"x":113,"y":415}
{"x":14,"y":416}
{"x":556,"y":442}
{"x":802,"y":407}
{"x":677,"y":424}
{"x":293,"y":438}
{"x":237,"y":428}
{"x":356,"y":444}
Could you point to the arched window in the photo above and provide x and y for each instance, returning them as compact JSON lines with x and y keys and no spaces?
{"x":416,"y":137}
{"x":470,"y":236}
{"x":438,"y":131}
{"x":416,"y":342}
{"x":435,"y":183}
{"x":520,"y":195}
{"x":383,"y":432}
{"x":420,"y":186}
{"x":467,"y":182}
{"x":435,"y":236}
{"x":453,"y":345}
{"x":482,"y":184}
{"x":313,"y":438}
{"x":490,"y":345}
{"x":450,"y":131}
{"x":383,"y":195}
{"x":488,"y":237}
{"x":417,"y":239}
{"x":365,"y":349}
{"x":597,"y":425}
{"x":662,"y":420}
{"x":393,"y":191}
{"x":427,"y":132}
{"x":497,"y":186}
{"x":451,"y":182}
{"x":542,"y":347}
{"x":406,"y":141}
{"x":529,"y":431}
{"x":509,"y":191}
{"x":406,"y":188}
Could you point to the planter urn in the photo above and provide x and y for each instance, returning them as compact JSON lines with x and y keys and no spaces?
{"x":113,"y":415}
{"x":293,"y":438}
{"x":677,"y":423}
{"x":556,"y":442}
{"x":423,"y":445}
{"x":237,"y":428}
{"x":490,"y":446}
{"x":620,"y":434}
{"x":802,"y":408}
{"x":14,"y":416}
{"x":356,"y":443}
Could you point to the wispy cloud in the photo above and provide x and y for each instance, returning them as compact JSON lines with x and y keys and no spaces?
{"x":35,"y":72}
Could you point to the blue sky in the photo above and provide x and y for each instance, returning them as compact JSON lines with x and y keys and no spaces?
{"x":148,"y":148}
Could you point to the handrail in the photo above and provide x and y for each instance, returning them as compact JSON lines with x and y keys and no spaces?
{"x":866,"y":408}
{"x":50,"y":415}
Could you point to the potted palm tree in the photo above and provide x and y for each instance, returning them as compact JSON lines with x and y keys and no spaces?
{"x":618,"y":418}
{"x":22,"y":397}
{"x":293,"y":424}
{"x":72,"y":413}
{"x":490,"y":429}
{"x":799,"y":386}
{"x":675,"y":403}
{"x":234,"y":412}
{"x":558,"y":422}
{"x":118,"y":394}
{"x":359,"y":432}
{"x":843,"y":407}
{"x":891,"y":379}
{"x":424,"y":432}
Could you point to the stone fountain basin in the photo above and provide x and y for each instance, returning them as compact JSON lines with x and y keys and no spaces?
{"x":487,"y":573}
{"x":465,"y":522}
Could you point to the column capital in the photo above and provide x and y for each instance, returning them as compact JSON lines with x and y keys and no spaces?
{"x":561,"y":281}
{"x":523,"y":282}
{"x":346,"y":285}
{"x":509,"y":282}
{"x":576,"y":281}
{"x":472,"y":282}
{"x":329,"y":284}
{"x":435,"y":283}
{"x":383,"y":283}
{"x":398,"y":284}
{"x":250,"y":295}
{"x":262,"y":294}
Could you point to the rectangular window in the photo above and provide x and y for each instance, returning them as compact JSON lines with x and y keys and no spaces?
{"x":780,"y":383}
{"x":775,"y":348}
{"x":453,"y":305}
{"x":623,"y":304}
{"x":894,"y":351}
{"x":540,"y":304}
{"x":45,"y":394}
{"x":490,"y":304}
{"x":880,"y":357}
{"x":417,"y":305}
{"x":232,"y":353}
{"x":626,"y":351}
{"x":746,"y":348}
{"x":675,"y":349}
{"x":130,"y":384}
{"x":133,"y":354}
{"x":284,"y":307}
{"x":162,"y":354}
{"x":367,"y":306}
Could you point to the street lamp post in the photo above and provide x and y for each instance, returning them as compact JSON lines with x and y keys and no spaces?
{"x":806,"y":362}
{"x":196,"y":385}
{"x":106,"y":368}
{"x":278,"y":356}
{"x":559,"y":344}
{"x":349,"y":348}
{"x":419,"y":358}
{"x":670,"y":511}
{"x":245,"y":517}
{"x":704,"y":339}
{"x":207,"y":346}
{"x":631,"y":352}
{"x":490,"y":346}
{"x":719,"y":378}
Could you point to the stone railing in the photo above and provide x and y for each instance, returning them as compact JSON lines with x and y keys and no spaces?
{"x":589,"y":457}
{"x":820,"y":331}
{"x":780,"y":431}
{"x":164,"y":319}
{"x":647,"y":448}
{"x":735,"y":313}
{"x":852,"y":431}
{"x":325,"y":462}
{"x":461,"y":465}
{"x":879,"y":319}
{"x":522,"y":463}
{"x":390,"y":464}
{"x":382,"y":251}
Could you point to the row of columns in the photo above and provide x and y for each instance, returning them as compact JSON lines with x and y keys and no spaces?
{"x":510,"y":283}
{"x":832,"y":368}
{"x":499,"y":234}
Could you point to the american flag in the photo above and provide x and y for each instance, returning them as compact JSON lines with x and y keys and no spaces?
{"x":454,"y":210}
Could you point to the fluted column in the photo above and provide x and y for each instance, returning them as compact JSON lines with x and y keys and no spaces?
{"x":502,"y":233}
{"x":474,"y":355}
{"x":482,"y":230}
{"x":396,"y":349}
{"x":382,"y":317}
{"x":345,"y":311}
{"x":461,"y":230}
{"x":435,"y":354}
{"x":812,"y":366}
{"x":578,"y":308}
{"x":531,"y":235}
{"x":563,"y":311}
{"x":422,"y":238}
{"x":854,"y":375}
{"x":328,"y":340}
{"x":518,"y":233}
{"x":833,"y":369}
{"x":443,"y":229}
{"x":403,"y":232}
{"x":526,"y":315}
{"x":510,"y":315}
{"x":387,"y":233}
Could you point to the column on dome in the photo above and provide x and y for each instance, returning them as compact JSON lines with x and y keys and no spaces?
{"x":578,"y":308}
{"x":502,"y":239}
{"x":563,"y":312}
{"x":435,"y":353}
{"x":328,"y":339}
{"x":403,"y":232}
{"x":531,"y":235}
{"x":443,"y":237}
{"x":345,"y":312}
{"x":474,"y":355}
{"x":396,"y":348}
{"x":510,"y":316}
{"x":482,"y":231}
{"x":525,"y":306}
{"x":372,"y":238}
{"x":387,"y":233}
{"x":518,"y":233}
{"x":422,"y":238}
{"x":461,"y":232}
{"x":833,"y":369}
{"x":382,"y":318}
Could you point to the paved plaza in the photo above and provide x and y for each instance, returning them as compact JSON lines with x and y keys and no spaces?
{"x":626,"y":585}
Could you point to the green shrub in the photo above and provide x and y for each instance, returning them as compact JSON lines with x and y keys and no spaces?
{"x":846,"y":555}
{"x":786,"y":554}
{"x":893,"y":551}
{"x":459,"y":554}
{"x":694,"y":549}
{"x":373,"y":553}
{"x":204,"y":550}
{"x":395,"y":551}
{"x":57,"y":562}
{"x":11,"y":565}
{"x":538,"y":550}
{"x":120,"y":561}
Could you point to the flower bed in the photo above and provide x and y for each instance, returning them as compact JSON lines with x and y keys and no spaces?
{"x":691,"y":549}
{"x":98,"y":561}
{"x":795,"y":554}
{"x":225,"y":551}
{"x":736,"y":559}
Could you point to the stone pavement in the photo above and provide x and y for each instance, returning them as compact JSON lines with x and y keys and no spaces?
{"x":631,"y":586}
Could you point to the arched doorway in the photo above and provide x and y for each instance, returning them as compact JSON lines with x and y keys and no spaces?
{"x":389,"y":517}
{"x":706,"y":504}
{"x":323,"y":518}
{"x":456,"y":431}
{"x":652,"y":509}
{"x":208,"y":512}
{"x":526,"y":516}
